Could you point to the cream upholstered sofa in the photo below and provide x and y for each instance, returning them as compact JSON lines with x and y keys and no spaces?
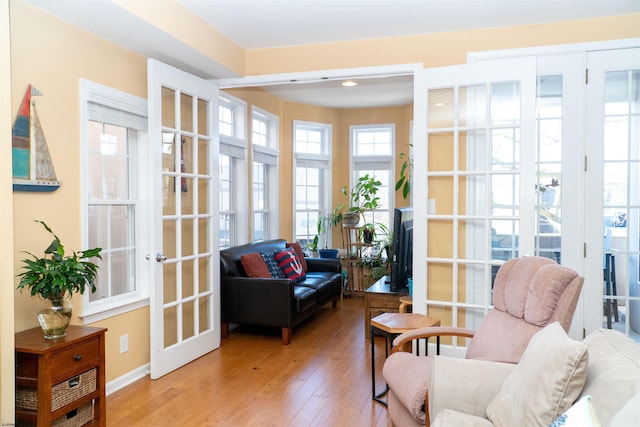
{"x":553,"y":378}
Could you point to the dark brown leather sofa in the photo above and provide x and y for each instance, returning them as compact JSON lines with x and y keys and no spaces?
{"x":274,"y":302}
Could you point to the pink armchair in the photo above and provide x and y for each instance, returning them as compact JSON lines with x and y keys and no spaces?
{"x":528,"y":294}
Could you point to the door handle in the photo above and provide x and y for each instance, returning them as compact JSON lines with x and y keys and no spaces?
{"x":159,"y":257}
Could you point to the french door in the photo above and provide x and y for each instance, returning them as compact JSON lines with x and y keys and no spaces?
{"x":613,"y":178}
{"x":491,"y":185}
{"x":185,"y":314}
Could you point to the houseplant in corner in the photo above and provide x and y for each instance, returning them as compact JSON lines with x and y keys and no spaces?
{"x":55,"y":278}
{"x":363,"y":196}
{"x":325,"y":226}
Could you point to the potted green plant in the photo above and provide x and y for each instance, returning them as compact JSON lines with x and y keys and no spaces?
{"x":368,"y":233}
{"x":363,"y":196}
{"x":325,"y":225}
{"x":387,"y":238}
{"x":55,"y":277}
{"x":404,"y":180}
{"x":312,"y":247}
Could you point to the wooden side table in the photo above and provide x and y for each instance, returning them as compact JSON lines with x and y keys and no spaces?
{"x":390,"y":325}
{"x":63,"y":377}
{"x":378,"y":298}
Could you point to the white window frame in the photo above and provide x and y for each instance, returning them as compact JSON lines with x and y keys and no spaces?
{"x":235,"y":146}
{"x":238,"y":109}
{"x":269,"y":155}
{"x":93,"y":311}
{"x":320,"y":161}
{"x":384,"y":162}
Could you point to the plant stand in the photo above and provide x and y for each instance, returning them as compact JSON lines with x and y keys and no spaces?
{"x":359,"y":277}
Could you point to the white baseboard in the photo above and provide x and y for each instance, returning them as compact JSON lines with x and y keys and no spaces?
{"x":127,"y":379}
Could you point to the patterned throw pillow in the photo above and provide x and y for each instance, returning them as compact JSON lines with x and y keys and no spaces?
{"x":296,"y":246}
{"x":581,"y":414}
{"x":290,"y":265}
{"x":255,"y":266}
{"x":274,"y":268}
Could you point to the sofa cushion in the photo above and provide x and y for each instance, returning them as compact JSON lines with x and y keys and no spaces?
{"x":254,"y":265}
{"x":629,"y":414}
{"x":449,"y":417}
{"x":274,"y":268}
{"x":290,"y":265}
{"x":613,"y":375}
{"x":304,"y":297}
{"x":296,"y":247}
{"x":322,"y":282}
{"x":545,"y":383}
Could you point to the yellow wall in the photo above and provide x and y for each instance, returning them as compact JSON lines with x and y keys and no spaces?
{"x":6,"y":230}
{"x":54,"y":64}
{"x":53,"y":55}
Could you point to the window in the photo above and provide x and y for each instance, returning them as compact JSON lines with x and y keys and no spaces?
{"x":114,"y":167}
{"x":372,"y":153}
{"x":264,"y":142}
{"x":312,"y":155}
{"x":233,"y":171}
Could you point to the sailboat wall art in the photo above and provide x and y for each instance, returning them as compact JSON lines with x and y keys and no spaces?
{"x":32,"y":166}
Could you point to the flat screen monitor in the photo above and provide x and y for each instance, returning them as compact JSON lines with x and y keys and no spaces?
{"x":402,"y":248}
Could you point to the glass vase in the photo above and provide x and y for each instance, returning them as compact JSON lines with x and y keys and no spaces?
{"x":55,"y":317}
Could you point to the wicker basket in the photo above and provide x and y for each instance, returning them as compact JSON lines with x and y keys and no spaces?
{"x":76,"y":418}
{"x":61,"y":394}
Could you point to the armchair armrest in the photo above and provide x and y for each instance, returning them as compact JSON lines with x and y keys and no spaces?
{"x":436,"y":331}
{"x":465,"y":385}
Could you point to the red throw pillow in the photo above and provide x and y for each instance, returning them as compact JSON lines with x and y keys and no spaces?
{"x":290,"y":265}
{"x":296,"y":247}
{"x":255,"y":266}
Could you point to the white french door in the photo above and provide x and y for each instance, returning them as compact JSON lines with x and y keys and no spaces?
{"x":566,"y":188}
{"x":185,"y":312}
{"x":474,"y":166}
{"x":613,"y":179}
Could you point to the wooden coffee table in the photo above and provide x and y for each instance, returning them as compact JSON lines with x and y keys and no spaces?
{"x":390,"y":325}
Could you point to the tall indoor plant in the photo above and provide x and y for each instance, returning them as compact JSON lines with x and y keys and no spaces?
{"x":363,"y":196}
{"x":55,"y":277}
{"x":325,"y":226}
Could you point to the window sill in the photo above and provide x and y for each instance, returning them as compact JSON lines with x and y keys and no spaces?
{"x":101,"y":313}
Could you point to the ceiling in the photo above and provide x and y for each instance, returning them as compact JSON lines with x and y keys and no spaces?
{"x":254,"y":24}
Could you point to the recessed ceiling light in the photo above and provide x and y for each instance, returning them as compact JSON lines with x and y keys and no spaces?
{"x":349,"y":83}
{"x":439,"y":104}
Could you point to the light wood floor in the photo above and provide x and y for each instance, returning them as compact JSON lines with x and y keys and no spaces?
{"x":323,"y":378}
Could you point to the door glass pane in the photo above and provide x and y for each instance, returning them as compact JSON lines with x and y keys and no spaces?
{"x":473,"y":106}
{"x":505,"y":99}
{"x":621,"y":307}
{"x":441,"y":108}
{"x":168,"y":108}
{"x":186,"y":112}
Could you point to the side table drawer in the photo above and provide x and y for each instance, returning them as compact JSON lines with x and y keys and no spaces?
{"x":384,"y":301}
{"x":77,"y":358}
